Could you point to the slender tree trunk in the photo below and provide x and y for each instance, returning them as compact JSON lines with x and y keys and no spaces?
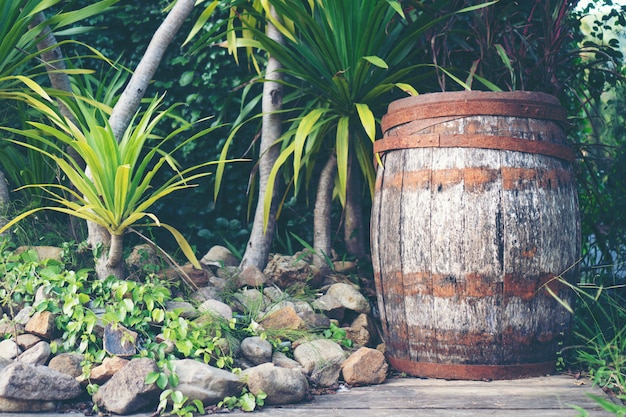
{"x":322,"y":241}
{"x":109,"y":263}
{"x":353,"y":219}
{"x":131,"y":97}
{"x":260,"y":241}
{"x":54,"y":60}
{"x":5,"y":201}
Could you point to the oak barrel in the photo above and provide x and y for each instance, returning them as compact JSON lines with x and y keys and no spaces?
{"x":475,"y":215}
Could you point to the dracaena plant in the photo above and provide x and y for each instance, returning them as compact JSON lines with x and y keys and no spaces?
{"x":23,"y":26}
{"x":117,"y":189}
{"x":344,"y":62}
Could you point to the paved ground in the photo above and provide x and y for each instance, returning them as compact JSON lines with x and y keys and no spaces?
{"x":551,"y":396}
{"x":533,"y":397}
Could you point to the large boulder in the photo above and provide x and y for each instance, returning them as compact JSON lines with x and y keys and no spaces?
{"x":9,"y":349}
{"x":21,"y":381}
{"x":285,"y":271}
{"x":8,"y":405}
{"x":349,"y":297}
{"x":256,"y":350}
{"x":36,"y":355}
{"x":317,"y":353}
{"x":282,"y":385}
{"x":210,"y":385}
{"x":126,"y":392}
{"x":365,"y":367}
{"x":284,"y":318}
{"x":68,"y":363}
{"x":219,"y":256}
{"x":321,"y":360}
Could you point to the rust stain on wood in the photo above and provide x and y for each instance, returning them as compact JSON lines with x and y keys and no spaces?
{"x":515,"y":178}
{"x":477,"y":285}
{"x":417,"y":283}
{"x":526,"y":287}
{"x":476,"y":179}
{"x":444,"y":178}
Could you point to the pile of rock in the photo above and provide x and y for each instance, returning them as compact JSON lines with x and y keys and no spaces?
{"x":32,"y":379}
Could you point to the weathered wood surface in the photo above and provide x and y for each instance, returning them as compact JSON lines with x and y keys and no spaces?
{"x":464,"y":240}
{"x":551,"y":396}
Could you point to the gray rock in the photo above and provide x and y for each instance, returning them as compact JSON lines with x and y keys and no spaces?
{"x":10,"y":328}
{"x":206,"y":293}
{"x":330,"y":306}
{"x":280,"y":305}
{"x":27,"y":340}
{"x":142,"y":255}
{"x":43,"y":252}
{"x":283,"y":361}
{"x":67,"y":363}
{"x":186,"y":310}
{"x":118,"y":340}
{"x":126,"y":392}
{"x":37,"y":355}
{"x":275,"y":294}
{"x":365,"y":367}
{"x":252,"y":276}
{"x":9,"y":349}
{"x":203,"y":382}
{"x":282,"y":385}
{"x":249,"y":300}
{"x":326,"y":375}
{"x":21,"y":381}
{"x":9,"y":405}
{"x":317,"y":354}
{"x":4,"y":362}
{"x":315,"y":320}
{"x":216,"y":308}
{"x":256,"y":350}
{"x":23,"y":315}
{"x":302,"y":307}
{"x":284,"y":270}
{"x":349,"y":297}
{"x":219,"y":256}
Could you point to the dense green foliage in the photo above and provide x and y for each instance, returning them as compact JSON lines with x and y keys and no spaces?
{"x":537,"y":45}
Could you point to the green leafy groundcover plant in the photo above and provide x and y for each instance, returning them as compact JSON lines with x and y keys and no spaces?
{"x":82,"y":302}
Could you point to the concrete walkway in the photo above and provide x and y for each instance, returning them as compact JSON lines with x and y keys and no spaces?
{"x":549,"y":396}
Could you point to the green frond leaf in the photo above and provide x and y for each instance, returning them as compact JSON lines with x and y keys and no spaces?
{"x":342,"y":144}
{"x":376,"y":61}
{"x":367,"y":120}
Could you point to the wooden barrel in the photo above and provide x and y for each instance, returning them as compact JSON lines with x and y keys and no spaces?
{"x":475,"y":214}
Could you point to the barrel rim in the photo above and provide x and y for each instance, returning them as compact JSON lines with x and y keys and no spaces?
{"x":473,"y":103}
{"x":447,"y":96}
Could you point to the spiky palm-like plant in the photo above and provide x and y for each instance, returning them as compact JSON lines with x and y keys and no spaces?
{"x":116,"y":190}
